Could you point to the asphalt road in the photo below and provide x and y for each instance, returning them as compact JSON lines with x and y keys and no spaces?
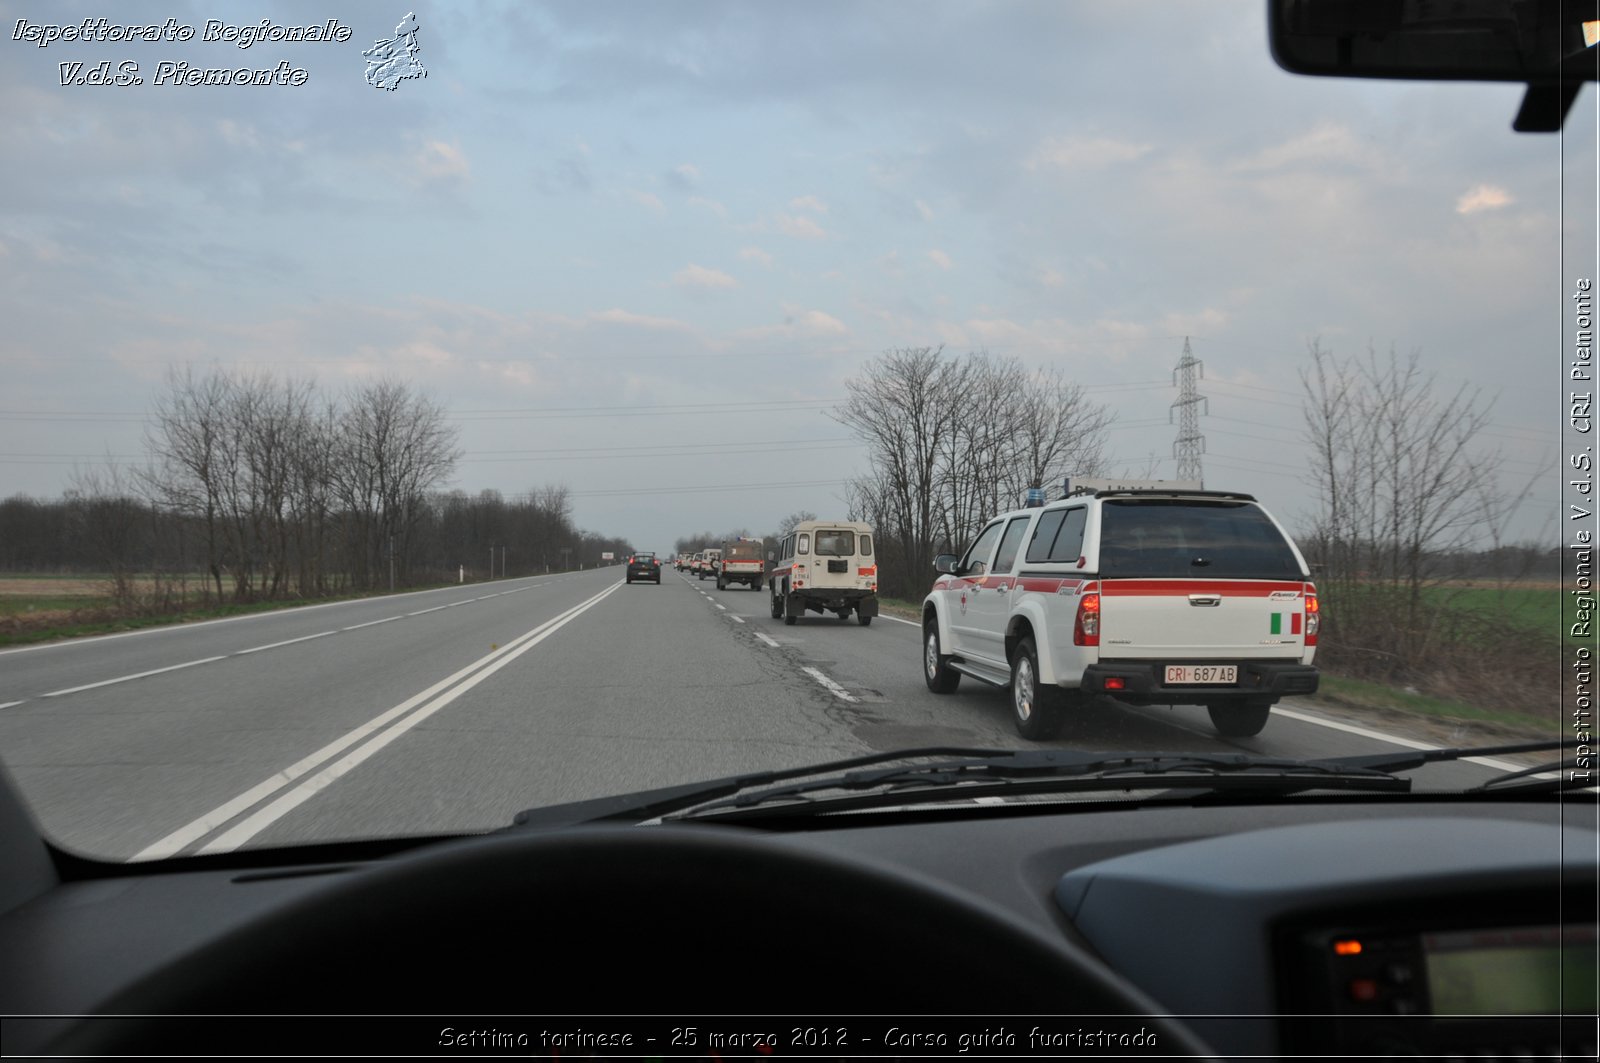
{"x":451,"y":710}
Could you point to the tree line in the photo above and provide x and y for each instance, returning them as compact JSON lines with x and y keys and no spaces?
{"x":259,"y":487}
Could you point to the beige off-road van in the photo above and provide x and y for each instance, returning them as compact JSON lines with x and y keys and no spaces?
{"x":826,"y":566}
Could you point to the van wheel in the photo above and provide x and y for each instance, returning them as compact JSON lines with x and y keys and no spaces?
{"x":1035,"y":707}
{"x":722,"y":584}
{"x":941,"y":678}
{"x":777,"y":604}
{"x":1239,"y":721}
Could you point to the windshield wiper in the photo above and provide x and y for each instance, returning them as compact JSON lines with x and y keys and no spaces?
{"x":648,"y":804}
{"x":981,"y":772}
{"x":1055,"y":771}
{"x":1544,"y":778}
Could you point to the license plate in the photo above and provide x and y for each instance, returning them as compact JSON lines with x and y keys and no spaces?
{"x":1202,"y":673}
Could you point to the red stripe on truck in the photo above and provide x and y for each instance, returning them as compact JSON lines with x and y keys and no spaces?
{"x":1226,"y":588}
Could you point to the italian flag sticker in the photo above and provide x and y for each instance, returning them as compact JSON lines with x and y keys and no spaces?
{"x":1294,"y":623}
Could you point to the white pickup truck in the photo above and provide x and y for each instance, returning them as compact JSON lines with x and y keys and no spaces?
{"x":1153,"y":597}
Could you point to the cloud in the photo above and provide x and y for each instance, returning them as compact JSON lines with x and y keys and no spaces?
{"x":570,"y":174}
{"x":709,"y":204}
{"x":801,"y":228}
{"x":618,"y":316}
{"x":819,"y":324}
{"x":703,"y":278}
{"x":239,"y":135}
{"x":925,"y":211}
{"x":650,"y":200}
{"x":1084,"y":153}
{"x":755,"y":254}
{"x":1326,"y":144}
{"x":814,"y":324}
{"x":437,"y":161}
{"x":811,"y":203}
{"x":1483,"y":197}
{"x":684,"y":176}
{"x":940,"y":259}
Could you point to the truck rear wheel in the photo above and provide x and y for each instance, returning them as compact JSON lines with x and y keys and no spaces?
{"x":1241,"y":720}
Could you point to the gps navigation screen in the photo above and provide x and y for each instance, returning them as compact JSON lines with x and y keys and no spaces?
{"x":1535,"y":970}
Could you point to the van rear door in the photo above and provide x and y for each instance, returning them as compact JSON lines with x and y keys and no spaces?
{"x":1198,"y":579}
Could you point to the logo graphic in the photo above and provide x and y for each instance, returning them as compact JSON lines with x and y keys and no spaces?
{"x":391,"y":62}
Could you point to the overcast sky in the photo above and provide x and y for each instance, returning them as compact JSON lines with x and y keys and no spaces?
{"x":643,"y":246}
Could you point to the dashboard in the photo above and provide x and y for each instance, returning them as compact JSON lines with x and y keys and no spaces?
{"x":1361,"y":926}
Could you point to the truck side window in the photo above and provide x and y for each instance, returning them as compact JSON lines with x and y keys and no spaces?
{"x":1069,"y":541}
{"x":1044,"y":534}
{"x":1010,"y":544}
{"x":805,"y":543}
{"x":980,"y":551}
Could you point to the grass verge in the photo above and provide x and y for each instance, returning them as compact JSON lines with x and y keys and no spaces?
{"x":1361,"y":694}
{"x":88,"y":622}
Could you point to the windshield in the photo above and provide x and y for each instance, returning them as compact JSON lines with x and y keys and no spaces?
{"x":337,"y":345}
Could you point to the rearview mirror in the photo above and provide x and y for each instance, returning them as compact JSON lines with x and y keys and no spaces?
{"x":1547,"y":44}
{"x":945,"y":563}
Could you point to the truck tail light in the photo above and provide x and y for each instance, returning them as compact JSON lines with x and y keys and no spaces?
{"x":1086,"y":629}
{"x":1313,"y":615}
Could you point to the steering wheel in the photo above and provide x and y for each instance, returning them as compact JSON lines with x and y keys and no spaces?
{"x":629,"y":920}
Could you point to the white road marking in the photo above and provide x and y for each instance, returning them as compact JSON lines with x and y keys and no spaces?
{"x":285,"y":642}
{"x":1488,"y":762}
{"x":738,"y":619}
{"x":199,"y":828}
{"x":8,"y":704}
{"x":719,"y":605}
{"x":435,"y":609}
{"x":768,"y":639}
{"x":126,"y":678}
{"x":833,"y":688}
{"x":369,"y":623}
{"x":265,"y":817}
{"x":897,"y":620}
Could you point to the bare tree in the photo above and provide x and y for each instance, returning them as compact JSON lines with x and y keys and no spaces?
{"x":906,"y":407}
{"x":1404,"y":483}
{"x":394,"y":447}
{"x":951,"y":443}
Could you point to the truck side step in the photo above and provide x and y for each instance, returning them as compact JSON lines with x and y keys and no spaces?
{"x":982,"y":672}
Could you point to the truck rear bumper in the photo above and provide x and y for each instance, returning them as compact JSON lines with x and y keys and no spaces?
{"x":819,"y":600}
{"x":1143,"y":682}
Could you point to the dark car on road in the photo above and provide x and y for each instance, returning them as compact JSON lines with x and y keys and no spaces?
{"x":644,"y":567}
